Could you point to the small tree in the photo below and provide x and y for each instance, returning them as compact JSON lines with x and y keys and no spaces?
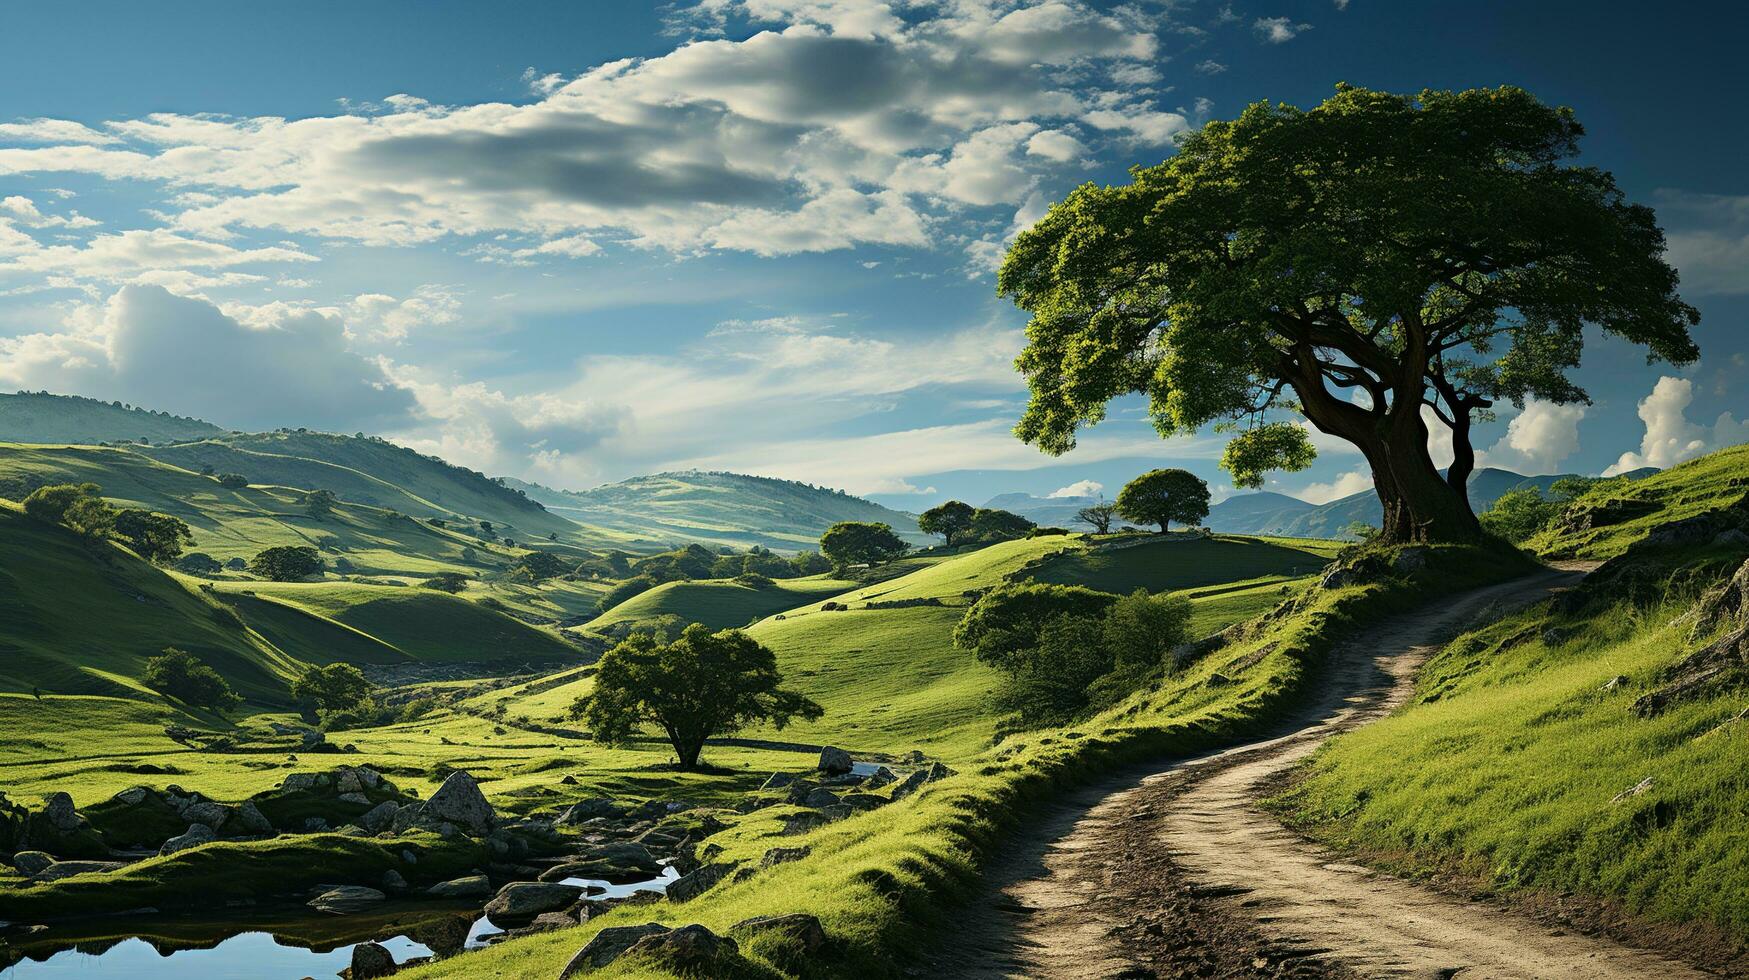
{"x":538,"y":565}
{"x":991,"y":526}
{"x":179,"y":675}
{"x":1099,"y":516}
{"x":336,"y":687}
{"x":1518,"y":514}
{"x":1140,"y":630}
{"x":451,"y":582}
{"x":1004,"y":624}
{"x":1163,"y":496}
{"x":949,"y":520}
{"x":858,"y":543}
{"x":702,"y":684}
{"x":75,"y":506}
{"x":233,"y":481}
{"x":199,"y":563}
{"x":156,"y":537}
{"x":287,"y":563}
{"x":319,"y":503}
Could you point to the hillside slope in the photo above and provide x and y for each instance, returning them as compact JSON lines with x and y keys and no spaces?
{"x":721,"y":508}
{"x":1577,"y":747}
{"x":45,"y":418}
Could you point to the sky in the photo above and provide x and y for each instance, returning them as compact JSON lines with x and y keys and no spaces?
{"x":578,"y":242}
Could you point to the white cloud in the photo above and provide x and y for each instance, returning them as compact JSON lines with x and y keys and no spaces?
{"x":1082,"y":488}
{"x":1537,"y":440}
{"x":1708,"y":241}
{"x":129,"y":256}
{"x":148,"y":346}
{"x":1670,"y":437}
{"x":820,"y":133}
{"x":24,"y":211}
{"x":1279,"y":30}
{"x":1347,"y":484}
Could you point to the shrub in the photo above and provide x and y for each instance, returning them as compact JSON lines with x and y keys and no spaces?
{"x":451,"y":582}
{"x":286,"y":563}
{"x":233,"y":481}
{"x":336,"y":687}
{"x":177,"y":674}
{"x":753,"y":580}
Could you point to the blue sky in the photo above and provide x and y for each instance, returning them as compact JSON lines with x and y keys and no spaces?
{"x":575,"y":242}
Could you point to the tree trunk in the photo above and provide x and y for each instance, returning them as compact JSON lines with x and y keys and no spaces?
{"x":1420,"y":506}
{"x":687,"y":752}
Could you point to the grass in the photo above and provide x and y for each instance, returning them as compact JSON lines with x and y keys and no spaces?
{"x":1507,"y":765}
{"x":886,"y":882}
{"x":1177,"y":562}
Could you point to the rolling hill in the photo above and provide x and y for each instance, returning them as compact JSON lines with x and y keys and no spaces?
{"x":719,"y":508}
{"x":1044,"y":511}
{"x":44,"y":418}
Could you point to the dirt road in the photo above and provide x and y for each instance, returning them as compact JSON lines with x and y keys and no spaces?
{"x":1170,"y":870}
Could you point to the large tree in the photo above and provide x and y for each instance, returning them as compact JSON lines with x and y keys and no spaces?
{"x":1370,"y":264}
{"x":949,"y":520}
{"x":286,"y":563}
{"x":1163,"y":496}
{"x":700,"y":685}
{"x":861,"y":543}
{"x":156,"y":537}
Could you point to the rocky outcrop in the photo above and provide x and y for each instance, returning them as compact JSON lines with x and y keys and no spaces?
{"x":196,"y":835}
{"x":689,"y":887}
{"x":347,"y":899}
{"x":68,"y":869}
{"x":835,"y":761}
{"x":371,"y":960}
{"x":917,"y":780}
{"x":608,"y":945}
{"x":476,"y":886}
{"x":802,"y":931}
{"x":32,"y":862}
{"x":517,"y":903}
{"x":1720,"y":664}
{"x":458,"y":805}
{"x":782,"y":855}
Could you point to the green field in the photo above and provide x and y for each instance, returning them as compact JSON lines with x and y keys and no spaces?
{"x":1175,"y":562}
{"x":719,"y":604}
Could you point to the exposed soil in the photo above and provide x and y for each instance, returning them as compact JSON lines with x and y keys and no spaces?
{"x":1171,"y":870}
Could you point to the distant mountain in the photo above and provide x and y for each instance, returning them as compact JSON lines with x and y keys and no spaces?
{"x":39,"y":417}
{"x":1279,"y":514}
{"x":725,"y":508}
{"x":1044,"y":511}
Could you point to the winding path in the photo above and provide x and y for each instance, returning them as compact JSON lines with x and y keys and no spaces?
{"x":1171,"y":870}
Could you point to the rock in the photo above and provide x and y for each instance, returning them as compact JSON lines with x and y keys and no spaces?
{"x":689,"y":950}
{"x":1554,"y":636}
{"x":783,"y":855}
{"x":1409,"y":561}
{"x":459,"y":801}
{"x":248,"y":819}
{"x":476,"y":886}
{"x":517,"y":903}
{"x":372,"y":960}
{"x":689,"y":887}
{"x":132,"y":797}
{"x":863,"y":801}
{"x":300,"y":782}
{"x":315,"y":825}
{"x":379,"y":817}
{"x":802,"y":929}
{"x":820,"y":799}
{"x":589,"y":809}
{"x":348,"y":782}
{"x":1614,"y":682}
{"x":67,"y":869}
{"x":799,"y":790}
{"x":568,"y":781}
{"x":59,"y":812}
{"x":801,"y":823}
{"x":408,"y":857}
{"x":1218,"y":679}
{"x":32,"y":862}
{"x":628,"y":853}
{"x":834,"y":761}
{"x":915,"y":781}
{"x":347,"y":899}
{"x":207,"y":813}
{"x":393,"y":881}
{"x":1731,"y":538}
{"x":196,"y":835}
{"x":881,"y":777}
{"x":1338,"y":577}
{"x":356,"y":799}
{"x":607,"y":945}
{"x":778,"y":780}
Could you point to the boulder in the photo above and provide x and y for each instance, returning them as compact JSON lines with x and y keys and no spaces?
{"x":589,"y":809}
{"x":356,"y":799}
{"x":607,"y":945}
{"x":782,"y":855}
{"x":207,"y":813}
{"x":302,"y":782}
{"x":476,"y":886}
{"x":67,"y":869}
{"x":372,"y":960}
{"x":133,"y":796}
{"x":517,"y":903}
{"x":1410,"y":561}
{"x":347,"y":899}
{"x":459,"y":801}
{"x":778,"y":780}
{"x":863,"y":801}
{"x":59,"y":812}
{"x":804,"y":930}
{"x":881,"y":777}
{"x":689,"y":887}
{"x":834,"y":761}
{"x":379,"y":817}
{"x":392,"y":881}
{"x":820,"y":799}
{"x":32,"y":862}
{"x":247,"y":819}
{"x":935,"y":771}
{"x":348,"y":782}
{"x":689,"y":950}
{"x":196,"y":835}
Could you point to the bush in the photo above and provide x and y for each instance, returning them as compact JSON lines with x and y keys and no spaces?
{"x":1006,"y":622}
{"x":199,"y":563}
{"x":753,"y":580}
{"x":1046,"y":532}
{"x":233,"y":481}
{"x":155,"y":537}
{"x":334,"y":688}
{"x":75,"y":506}
{"x":451,"y":582}
{"x":179,"y":675}
{"x":287,"y":563}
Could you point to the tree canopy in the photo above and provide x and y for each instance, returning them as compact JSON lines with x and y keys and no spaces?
{"x":1163,"y":496}
{"x":75,"y":506}
{"x":861,"y":543}
{"x":1361,"y":263}
{"x":156,"y":537}
{"x":286,"y":563}
{"x":949,"y":520}
{"x":700,"y":685}
{"x":1098,"y":516}
{"x":1004,"y":624}
{"x":178,"y":674}
{"x":336,"y":687}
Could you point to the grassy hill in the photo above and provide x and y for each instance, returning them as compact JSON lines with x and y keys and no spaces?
{"x":45,"y":418}
{"x":718,"y":603}
{"x":1527,"y":762}
{"x":370,"y":471}
{"x":721,"y":508}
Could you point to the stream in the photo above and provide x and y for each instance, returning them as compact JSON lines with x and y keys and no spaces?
{"x":298,"y":943}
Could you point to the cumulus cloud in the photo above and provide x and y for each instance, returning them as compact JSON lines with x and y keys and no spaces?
{"x":148,"y":346}
{"x":843,"y":124}
{"x":1081,"y":488}
{"x":1670,"y":437}
{"x":1345,"y":485}
{"x":1708,"y":240}
{"x":1537,"y":440}
{"x":130,"y":256}
{"x":1278,"y":30}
